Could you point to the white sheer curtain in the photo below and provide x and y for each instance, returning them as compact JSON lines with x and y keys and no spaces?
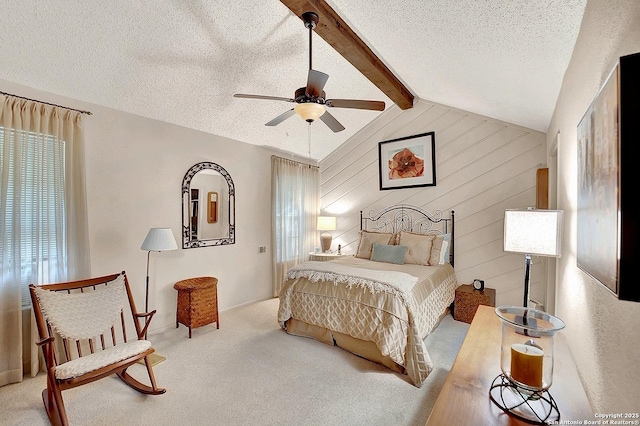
{"x":43,"y":218}
{"x":295,"y":200}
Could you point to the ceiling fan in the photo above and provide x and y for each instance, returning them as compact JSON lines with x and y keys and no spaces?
{"x":311,"y":100}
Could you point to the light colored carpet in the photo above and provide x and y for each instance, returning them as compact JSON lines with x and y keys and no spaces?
{"x":250,"y":372}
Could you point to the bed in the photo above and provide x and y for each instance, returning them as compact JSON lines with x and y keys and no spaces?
{"x":381,"y":302}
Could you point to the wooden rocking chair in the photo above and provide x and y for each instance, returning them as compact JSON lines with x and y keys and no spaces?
{"x":84,"y":338}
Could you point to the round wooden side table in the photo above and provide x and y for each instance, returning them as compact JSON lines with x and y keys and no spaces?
{"x":197,"y":302}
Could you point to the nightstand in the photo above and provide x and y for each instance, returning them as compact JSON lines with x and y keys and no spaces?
{"x":467,"y":301}
{"x":324,"y":256}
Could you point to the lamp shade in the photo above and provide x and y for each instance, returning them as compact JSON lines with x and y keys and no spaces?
{"x":159,"y":239}
{"x":535,"y":232}
{"x":326,"y":223}
{"x":309,"y":111}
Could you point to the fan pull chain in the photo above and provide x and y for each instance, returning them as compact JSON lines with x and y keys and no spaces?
{"x":309,"y":139}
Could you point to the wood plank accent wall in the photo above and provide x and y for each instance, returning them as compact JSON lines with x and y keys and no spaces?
{"x":483,"y":166}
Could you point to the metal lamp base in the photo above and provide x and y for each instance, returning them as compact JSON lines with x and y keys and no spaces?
{"x":536,"y":407}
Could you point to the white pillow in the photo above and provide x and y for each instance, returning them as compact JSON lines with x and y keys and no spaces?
{"x":443,"y":253}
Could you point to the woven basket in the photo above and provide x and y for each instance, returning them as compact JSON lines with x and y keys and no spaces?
{"x":197,"y":301}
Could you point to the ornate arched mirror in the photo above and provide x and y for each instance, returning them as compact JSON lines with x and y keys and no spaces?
{"x":208,"y":206}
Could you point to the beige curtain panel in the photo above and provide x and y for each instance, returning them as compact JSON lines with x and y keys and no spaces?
{"x":43,"y":218}
{"x":295,"y":192}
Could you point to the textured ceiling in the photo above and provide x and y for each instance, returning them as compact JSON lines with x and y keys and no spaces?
{"x":181,"y":61}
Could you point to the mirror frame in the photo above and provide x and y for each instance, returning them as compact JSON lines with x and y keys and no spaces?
{"x":186,"y":188}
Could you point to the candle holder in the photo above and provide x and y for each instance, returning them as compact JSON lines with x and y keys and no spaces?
{"x":526,"y":361}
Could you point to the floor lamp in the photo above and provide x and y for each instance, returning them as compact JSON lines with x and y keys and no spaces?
{"x":158,"y":239}
{"x":532,"y":232}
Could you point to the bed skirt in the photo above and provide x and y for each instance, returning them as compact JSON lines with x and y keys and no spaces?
{"x":359,"y":347}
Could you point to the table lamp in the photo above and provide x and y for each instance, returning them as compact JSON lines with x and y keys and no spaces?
{"x":532,"y":232}
{"x":326,"y":223}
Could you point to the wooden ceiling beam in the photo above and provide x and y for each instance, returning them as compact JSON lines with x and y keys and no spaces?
{"x":335,"y":31}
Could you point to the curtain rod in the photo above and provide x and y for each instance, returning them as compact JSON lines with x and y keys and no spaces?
{"x":47,"y":103}
{"x":294,"y":161}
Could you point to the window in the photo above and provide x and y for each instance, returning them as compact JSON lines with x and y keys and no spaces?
{"x":295,"y":193}
{"x":43,"y":216}
{"x":33,"y":205}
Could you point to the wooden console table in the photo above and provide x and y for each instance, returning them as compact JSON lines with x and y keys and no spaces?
{"x":464,"y":399}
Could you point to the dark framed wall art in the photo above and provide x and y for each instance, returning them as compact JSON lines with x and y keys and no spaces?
{"x":407,"y":162}
{"x":607,"y":219}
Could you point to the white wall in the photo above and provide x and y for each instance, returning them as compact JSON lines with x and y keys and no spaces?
{"x":134,"y":169}
{"x":602,"y":331}
{"x":483,"y":166}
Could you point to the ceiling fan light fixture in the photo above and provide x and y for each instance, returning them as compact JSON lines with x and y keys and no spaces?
{"x":309,"y":111}
{"x":311,"y":100}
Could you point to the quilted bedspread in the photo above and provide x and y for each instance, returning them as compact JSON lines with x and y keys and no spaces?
{"x":394,"y":306}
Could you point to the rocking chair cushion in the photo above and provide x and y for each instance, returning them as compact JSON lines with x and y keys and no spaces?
{"x":85,"y":314}
{"x":95,"y":361}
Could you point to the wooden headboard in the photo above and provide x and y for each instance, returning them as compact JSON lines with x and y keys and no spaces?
{"x":404,"y":217}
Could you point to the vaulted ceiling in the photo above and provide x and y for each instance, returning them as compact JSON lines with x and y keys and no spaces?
{"x":182,"y":61}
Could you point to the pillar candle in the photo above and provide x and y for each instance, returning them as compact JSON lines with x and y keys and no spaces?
{"x":526,"y":364}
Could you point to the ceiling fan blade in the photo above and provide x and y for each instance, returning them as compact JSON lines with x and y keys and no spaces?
{"x":268,"y":98}
{"x":315,"y":82}
{"x":331,"y":121}
{"x":279,"y":119}
{"x":355,"y":103}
